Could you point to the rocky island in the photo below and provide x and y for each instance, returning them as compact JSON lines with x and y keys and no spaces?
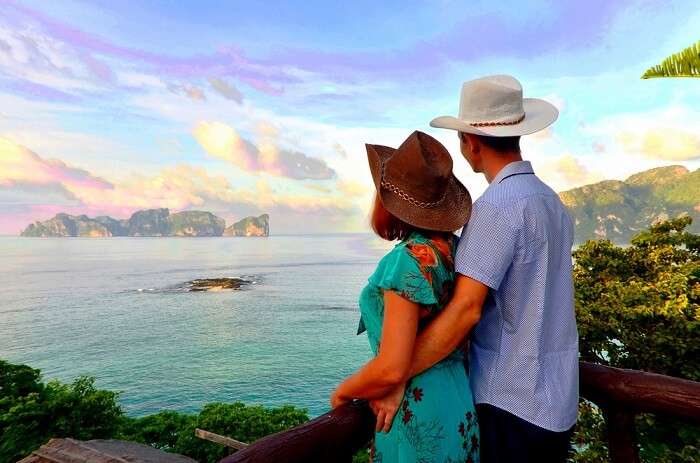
{"x":250,"y":226}
{"x":151,"y":222}
{"x":217,"y":284}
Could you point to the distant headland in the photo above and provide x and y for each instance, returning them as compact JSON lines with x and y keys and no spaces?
{"x":617,"y":210}
{"x":151,"y":222}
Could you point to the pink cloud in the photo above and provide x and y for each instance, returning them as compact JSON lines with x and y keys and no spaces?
{"x":222,"y":141}
{"x":39,"y":188}
{"x":19,"y":165}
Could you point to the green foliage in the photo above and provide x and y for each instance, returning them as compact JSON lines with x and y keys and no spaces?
{"x":174,"y":432}
{"x":638,"y":307}
{"x":161,"y":430}
{"x":31,"y":412}
{"x":683,"y":64}
{"x":361,"y":457}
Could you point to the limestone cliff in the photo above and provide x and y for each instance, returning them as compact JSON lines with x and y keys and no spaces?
{"x":250,"y":226}
{"x":67,"y":225}
{"x":196,"y":223}
{"x":151,"y":222}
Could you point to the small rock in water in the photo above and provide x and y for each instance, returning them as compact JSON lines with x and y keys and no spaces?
{"x":217,"y":284}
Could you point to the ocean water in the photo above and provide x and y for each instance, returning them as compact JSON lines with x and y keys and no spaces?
{"x":107,"y":308}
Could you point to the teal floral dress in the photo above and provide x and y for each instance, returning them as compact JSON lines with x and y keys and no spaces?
{"x":437,"y":420}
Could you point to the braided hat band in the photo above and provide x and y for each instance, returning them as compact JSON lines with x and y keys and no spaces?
{"x":405,"y":196}
{"x":494,"y":124}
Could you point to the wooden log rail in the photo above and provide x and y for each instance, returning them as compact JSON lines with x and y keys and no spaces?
{"x":621,"y":394}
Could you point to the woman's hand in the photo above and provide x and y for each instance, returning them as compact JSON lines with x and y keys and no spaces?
{"x":337,"y":399}
{"x":387,"y":407}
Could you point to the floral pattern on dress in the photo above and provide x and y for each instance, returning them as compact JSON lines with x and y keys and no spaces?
{"x":436,"y":421}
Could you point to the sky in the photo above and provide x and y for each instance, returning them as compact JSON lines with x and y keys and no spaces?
{"x":242,"y":108}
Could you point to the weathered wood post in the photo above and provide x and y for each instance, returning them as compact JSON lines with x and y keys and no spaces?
{"x":622,"y":443}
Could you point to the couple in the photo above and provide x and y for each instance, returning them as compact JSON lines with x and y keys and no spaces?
{"x":475,"y":342}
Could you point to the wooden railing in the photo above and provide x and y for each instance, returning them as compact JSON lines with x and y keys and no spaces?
{"x":621,"y":394}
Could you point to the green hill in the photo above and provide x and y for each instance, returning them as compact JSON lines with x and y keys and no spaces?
{"x":617,"y":210}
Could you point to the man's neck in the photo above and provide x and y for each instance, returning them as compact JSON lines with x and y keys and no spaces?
{"x":494,"y":162}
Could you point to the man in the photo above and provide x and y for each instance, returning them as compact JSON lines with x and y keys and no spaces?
{"x":514,"y":287}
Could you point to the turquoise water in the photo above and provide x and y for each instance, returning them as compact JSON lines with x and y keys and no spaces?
{"x":102,"y":307}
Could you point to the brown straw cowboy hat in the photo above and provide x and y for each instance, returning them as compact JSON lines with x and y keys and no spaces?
{"x":416,"y":184}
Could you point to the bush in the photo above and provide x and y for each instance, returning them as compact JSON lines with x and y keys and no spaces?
{"x":174,"y":432}
{"x":638,"y":307}
{"x":31,"y":412}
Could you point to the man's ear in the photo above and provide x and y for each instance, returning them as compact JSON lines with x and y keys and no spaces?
{"x":473,"y":143}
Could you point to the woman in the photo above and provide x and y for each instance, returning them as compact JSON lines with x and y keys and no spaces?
{"x":420,"y":203}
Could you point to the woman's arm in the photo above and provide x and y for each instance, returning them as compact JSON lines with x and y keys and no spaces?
{"x":436,"y":341}
{"x":392,"y":364}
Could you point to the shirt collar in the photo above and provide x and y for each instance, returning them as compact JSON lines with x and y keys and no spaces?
{"x":514,"y":168}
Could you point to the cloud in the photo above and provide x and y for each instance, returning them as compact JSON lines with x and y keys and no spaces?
{"x":228,"y":91}
{"x":667,"y":133}
{"x":188,"y":90}
{"x":222,"y":141}
{"x":338,"y":148}
{"x":565,"y":172}
{"x":350,"y":188}
{"x":566,"y":26}
{"x":70,"y":56}
{"x":669,"y":144}
{"x":22,"y":167}
{"x":34,"y":188}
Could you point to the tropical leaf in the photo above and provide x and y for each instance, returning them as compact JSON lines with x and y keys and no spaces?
{"x":683,"y":64}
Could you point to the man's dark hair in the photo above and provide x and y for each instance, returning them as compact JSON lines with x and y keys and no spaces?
{"x":500,"y":144}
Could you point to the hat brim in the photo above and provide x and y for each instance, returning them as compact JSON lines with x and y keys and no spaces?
{"x":539,"y":114}
{"x":451,"y":214}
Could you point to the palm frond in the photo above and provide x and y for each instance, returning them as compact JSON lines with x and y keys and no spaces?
{"x":683,"y":64}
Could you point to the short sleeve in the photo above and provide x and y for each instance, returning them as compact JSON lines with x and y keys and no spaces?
{"x":408,"y":270}
{"x":487,"y":245}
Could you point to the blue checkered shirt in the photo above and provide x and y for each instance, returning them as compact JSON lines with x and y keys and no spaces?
{"x":524,"y":350}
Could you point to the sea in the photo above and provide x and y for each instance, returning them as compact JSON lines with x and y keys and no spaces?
{"x":118,"y":309}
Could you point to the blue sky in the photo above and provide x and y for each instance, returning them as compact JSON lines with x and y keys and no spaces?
{"x":247,"y":107}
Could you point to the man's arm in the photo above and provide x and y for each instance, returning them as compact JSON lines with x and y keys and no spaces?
{"x":449,"y":328}
{"x":436,"y":341}
{"x":485,"y":253}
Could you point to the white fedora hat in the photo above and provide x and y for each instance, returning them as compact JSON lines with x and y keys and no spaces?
{"x":494,"y":106}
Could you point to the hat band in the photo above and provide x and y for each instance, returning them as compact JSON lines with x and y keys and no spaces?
{"x":406,"y":197}
{"x":496,"y":123}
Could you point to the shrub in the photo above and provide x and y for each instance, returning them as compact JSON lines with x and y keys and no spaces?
{"x":31,"y":412}
{"x":638,"y":307}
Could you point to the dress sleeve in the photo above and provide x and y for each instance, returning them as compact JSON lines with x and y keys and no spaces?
{"x":409,"y":271}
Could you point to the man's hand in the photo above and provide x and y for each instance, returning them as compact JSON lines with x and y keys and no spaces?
{"x":387,"y":407}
